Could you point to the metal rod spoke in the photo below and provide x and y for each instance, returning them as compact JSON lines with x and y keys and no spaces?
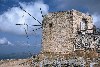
{"x":26,"y":33}
{"x":30,"y":15}
{"x":41,"y":12}
{"x":36,"y":25}
{"x":38,"y":28}
{"x":19,"y":24}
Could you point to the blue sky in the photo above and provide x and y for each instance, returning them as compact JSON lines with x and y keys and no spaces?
{"x":13,"y":38}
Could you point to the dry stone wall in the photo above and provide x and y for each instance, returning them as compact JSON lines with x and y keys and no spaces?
{"x":60,"y":30}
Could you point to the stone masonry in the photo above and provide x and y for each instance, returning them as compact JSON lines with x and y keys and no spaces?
{"x":61,"y":28}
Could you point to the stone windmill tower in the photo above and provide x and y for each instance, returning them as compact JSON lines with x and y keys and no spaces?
{"x":60,"y":28}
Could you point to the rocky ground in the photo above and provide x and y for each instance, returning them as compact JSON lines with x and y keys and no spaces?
{"x":52,"y":62}
{"x":14,"y":63}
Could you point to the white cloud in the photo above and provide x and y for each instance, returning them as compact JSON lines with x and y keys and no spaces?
{"x":96,"y":19}
{"x":4,"y":41}
{"x":22,"y":43}
{"x":16,"y":15}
